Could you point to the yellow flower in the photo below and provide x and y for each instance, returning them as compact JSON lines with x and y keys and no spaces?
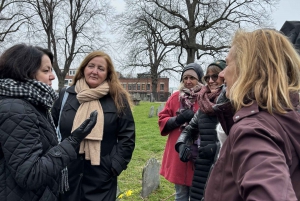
{"x":121,"y":196}
{"x":128,"y":193}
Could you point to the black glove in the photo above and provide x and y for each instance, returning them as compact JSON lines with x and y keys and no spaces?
{"x":184,"y":152}
{"x":84,"y":129}
{"x":184,"y":116}
{"x":208,"y":151}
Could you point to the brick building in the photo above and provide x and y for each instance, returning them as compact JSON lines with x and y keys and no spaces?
{"x":139,"y":87}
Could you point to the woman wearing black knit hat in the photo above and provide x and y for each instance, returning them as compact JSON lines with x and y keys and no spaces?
{"x":178,"y":111}
{"x":202,"y":127}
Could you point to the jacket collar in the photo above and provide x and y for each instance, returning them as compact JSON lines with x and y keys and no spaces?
{"x":71,"y":89}
{"x":246,"y":112}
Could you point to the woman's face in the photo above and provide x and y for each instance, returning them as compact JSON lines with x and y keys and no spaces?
{"x":189,"y":81}
{"x":229,"y":72}
{"x":213,"y":80}
{"x":95,"y":72}
{"x":45,"y":72}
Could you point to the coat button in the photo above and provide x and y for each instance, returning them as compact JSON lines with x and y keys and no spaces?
{"x":81,"y":174}
{"x":252,"y":111}
{"x":237,"y":117}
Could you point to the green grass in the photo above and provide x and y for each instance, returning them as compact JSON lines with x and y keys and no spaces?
{"x":149,"y":144}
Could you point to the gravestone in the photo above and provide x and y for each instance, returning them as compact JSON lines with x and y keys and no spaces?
{"x":151,"y":112}
{"x":151,"y":179}
{"x":118,"y":192}
{"x":160,"y":108}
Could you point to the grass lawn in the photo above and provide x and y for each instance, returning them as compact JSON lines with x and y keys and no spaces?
{"x":149,"y":144}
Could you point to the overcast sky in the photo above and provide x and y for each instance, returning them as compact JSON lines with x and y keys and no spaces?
{"x":286,"y":10}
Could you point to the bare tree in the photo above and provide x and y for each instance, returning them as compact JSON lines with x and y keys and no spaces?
{"x":145,"y":51}
{"x":204,"y":27}
{"x":71,"y":28}
{"x":11,"y":17}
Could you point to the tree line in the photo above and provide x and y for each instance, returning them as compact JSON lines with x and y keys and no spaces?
{"x":158,"y":36}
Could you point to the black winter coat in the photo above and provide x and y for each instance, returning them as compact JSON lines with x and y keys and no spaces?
{"x":30,"y":159}
{"x":89,"y":182}
{"x":205,"y":125}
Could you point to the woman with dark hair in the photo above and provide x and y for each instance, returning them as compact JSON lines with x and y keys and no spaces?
{"x":107,"y":150}
{"x":31,"y":160}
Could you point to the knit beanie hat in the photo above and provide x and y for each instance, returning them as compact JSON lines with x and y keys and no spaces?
{"x":220,"y":63}
{"x":193,"y":66}
{"x":190,"y":72}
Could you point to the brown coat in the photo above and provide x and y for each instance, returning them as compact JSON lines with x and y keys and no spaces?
{"x":259,"y":160}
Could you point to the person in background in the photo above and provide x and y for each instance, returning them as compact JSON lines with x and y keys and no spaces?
{"x":260,"y":158}
{"x":178,"y":111}
{"x":203,"y":125}
{"x":108,"y":149}
{"x":31,"y":161}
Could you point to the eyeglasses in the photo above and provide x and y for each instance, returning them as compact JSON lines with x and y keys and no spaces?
{"x":214,"y":77}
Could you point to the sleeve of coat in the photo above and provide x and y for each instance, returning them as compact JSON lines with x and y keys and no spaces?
{"x":168,"y":112}
{"x":259,"y":165}
{"x":22,"y":147}
{"x":126,"y":142}
{"x":189,"y":133}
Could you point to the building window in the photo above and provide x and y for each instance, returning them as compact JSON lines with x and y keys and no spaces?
{"x":133,"y":86}
{"x":72,"y":72}
{"x":138,"y":86}
{"x":162,"y":87}
{"x":143,"y":87}
{"x":148,"y":86}
{"x":129,"y":87}
{"x":124,"y":86}
{"x":68,"y":82}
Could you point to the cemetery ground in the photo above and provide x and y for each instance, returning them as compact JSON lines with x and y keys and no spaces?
{"x":149,"y":144}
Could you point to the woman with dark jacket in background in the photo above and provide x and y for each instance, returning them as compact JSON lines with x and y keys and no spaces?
{"x":178,"y":111}
{"x":204,"y":123}
{"x":31,"y":160}
{"x":106,"y":152}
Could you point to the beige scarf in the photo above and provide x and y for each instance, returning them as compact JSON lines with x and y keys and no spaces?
{"x":89,"y":101}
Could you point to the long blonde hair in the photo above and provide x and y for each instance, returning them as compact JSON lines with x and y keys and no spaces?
{"x":116,"y":90}
{"x":267,"y":70}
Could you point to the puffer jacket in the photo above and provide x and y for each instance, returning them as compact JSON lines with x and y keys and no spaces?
{"x":31,"y":161}
{"x":205,"y":125}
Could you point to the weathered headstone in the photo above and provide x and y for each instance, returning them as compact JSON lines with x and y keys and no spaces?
{"x":151,"y":113}
{"x":118,"y":192}
{"x":160,"y":108}
{"x":151,"y":179}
